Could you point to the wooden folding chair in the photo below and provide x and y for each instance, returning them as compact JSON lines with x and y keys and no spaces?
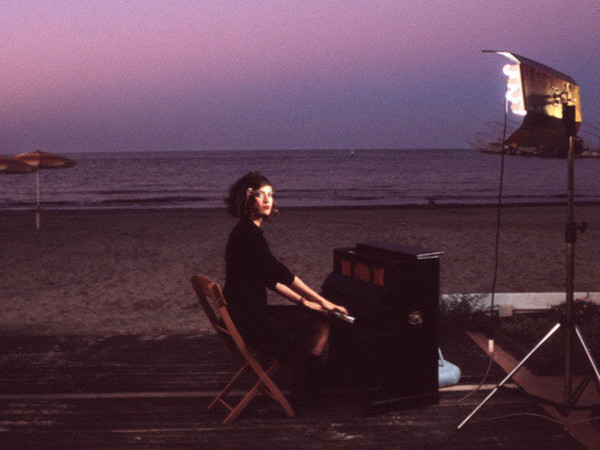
{"x":207,"y":289}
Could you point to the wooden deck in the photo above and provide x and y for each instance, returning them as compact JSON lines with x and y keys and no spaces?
{"x":71,"y":392}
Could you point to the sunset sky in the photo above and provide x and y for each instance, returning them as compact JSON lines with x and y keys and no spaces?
{"x":113,"y":75}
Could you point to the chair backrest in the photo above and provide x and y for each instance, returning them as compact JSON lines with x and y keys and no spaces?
{"x":205,"y":289}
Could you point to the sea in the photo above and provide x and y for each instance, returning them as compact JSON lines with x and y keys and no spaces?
{"x":301,"y":178}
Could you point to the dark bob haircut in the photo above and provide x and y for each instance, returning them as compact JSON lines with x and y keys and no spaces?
{"x":240,"y":201}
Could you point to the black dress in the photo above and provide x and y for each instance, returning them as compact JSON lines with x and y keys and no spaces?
{"x":251,"y":268}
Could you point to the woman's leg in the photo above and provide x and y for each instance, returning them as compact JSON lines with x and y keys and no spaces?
{"x":320,"y":336}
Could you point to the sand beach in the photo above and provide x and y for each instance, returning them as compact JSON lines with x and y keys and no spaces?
{"x":126,"y":272}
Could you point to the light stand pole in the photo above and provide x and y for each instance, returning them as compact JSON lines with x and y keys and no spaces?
{"x":571,"y":229}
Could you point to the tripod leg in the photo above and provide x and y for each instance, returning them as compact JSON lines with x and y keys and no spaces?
{"x":576,"y":394}
{"x":509,"y":376}
{"x":588,"y":354}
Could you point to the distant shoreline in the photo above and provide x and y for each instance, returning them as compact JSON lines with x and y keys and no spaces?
{"x":177,"y":209}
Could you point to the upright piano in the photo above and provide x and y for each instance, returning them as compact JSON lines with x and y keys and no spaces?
{"x":391,"y":351}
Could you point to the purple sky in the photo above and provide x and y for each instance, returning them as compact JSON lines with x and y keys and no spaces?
{"x":192,"y":75}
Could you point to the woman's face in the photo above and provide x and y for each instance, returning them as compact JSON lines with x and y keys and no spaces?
{"x":264,"y":200}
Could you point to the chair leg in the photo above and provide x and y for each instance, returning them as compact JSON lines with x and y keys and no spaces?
{"x":264,"y":383}
{"x":227,"y":388}
{"x":278,"y":396}
{"x":271,"y":389}
{"x":242,"y":404}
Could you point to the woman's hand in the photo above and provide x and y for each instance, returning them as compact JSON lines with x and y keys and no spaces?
{"x":312,"y":299}
{"x":332,"y":307}
{"x":323,"y":305}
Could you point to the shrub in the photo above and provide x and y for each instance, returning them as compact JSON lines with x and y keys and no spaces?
{"x":460,"y":312}
{"x":521,"y":332}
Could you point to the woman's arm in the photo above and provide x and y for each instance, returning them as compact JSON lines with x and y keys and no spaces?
{"x":299,"y":299}
{"x":299,"y":292}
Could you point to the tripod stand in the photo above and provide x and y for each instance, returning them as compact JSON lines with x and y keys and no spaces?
{"x":571,"y":396}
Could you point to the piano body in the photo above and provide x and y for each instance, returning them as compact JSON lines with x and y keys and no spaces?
{"x":391,"y":351}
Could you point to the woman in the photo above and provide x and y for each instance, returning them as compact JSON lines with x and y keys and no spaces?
{"x":285,"y":332}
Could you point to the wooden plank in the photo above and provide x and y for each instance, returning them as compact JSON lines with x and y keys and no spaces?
{"x":184,"y":422}
{"x":134,"y":391}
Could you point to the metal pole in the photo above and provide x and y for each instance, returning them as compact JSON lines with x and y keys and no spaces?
{"x":509,"y":376}
{"x":570,"y":237}
{"x":38,"y":207}
{"x":588,"y":353}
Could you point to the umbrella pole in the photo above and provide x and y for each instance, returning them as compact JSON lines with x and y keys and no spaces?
{"x":37,"y":212}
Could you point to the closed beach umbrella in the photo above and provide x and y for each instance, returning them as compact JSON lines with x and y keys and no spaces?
{"x":13,"y":166}
{"x":43,"y":160}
